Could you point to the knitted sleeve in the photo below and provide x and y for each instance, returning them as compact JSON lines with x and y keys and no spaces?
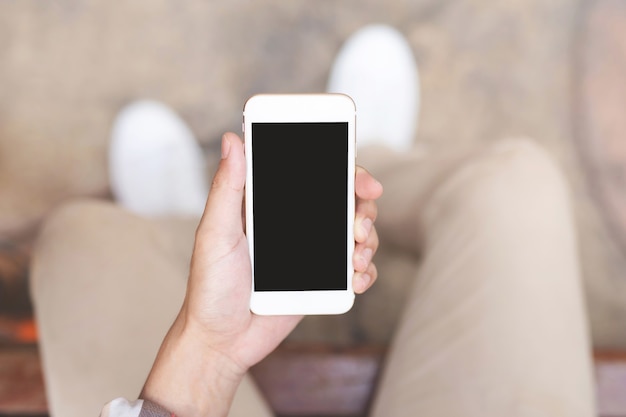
{"x":121,"y":407}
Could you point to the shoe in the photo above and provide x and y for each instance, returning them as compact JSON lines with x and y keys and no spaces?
{"x":156,"y":166}
{"x":376,"y":67}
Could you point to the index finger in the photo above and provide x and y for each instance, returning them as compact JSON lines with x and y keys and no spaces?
{"x":366,"y":186}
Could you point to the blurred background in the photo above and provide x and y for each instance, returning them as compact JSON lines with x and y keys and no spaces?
{"x":554,"y":71}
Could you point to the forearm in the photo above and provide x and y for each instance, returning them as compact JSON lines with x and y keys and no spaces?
{"x":189,"y":379}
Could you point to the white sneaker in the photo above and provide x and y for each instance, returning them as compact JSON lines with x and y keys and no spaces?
{"x":376,"y":67}
{"x":156,"y":166}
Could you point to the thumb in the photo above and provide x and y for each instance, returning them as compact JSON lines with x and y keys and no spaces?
{"x":222,"y":214}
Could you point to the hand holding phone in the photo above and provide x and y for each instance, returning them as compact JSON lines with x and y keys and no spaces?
{"x":215,"y":338}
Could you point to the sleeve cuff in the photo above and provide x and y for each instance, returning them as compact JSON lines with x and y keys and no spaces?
{"x":121,"y":407}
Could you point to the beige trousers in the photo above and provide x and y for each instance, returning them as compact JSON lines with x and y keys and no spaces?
{"x":494,"y":325}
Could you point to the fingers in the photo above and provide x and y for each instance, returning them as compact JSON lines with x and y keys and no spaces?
{"x":362,"y":281}
{"x":365,"y":216}
{"x":366,"y":186}
{"x":367,"y":190}
{"x":364,"y":252}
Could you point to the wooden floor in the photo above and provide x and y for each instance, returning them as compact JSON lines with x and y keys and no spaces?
{"x":21,"y":382}
{"x":297,"y":380}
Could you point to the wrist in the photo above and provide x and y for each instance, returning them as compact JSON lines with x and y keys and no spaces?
{"x":190,"y":379}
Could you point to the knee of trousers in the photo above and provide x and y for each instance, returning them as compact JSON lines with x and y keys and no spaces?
{"x":70,"y":236}
{"x":512,"y":183}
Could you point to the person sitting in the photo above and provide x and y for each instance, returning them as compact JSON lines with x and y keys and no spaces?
{"x":494,"y":323}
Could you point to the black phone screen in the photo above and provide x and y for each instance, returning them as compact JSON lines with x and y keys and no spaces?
{"x":300,"y":206}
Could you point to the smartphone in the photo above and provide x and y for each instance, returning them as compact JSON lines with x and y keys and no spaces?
{"x":300,"y":154}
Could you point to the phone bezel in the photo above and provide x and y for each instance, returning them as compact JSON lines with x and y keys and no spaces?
{"x":314,"y":108}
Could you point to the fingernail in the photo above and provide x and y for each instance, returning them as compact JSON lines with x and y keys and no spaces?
{"x":225,"y":147}
{"x":366,"y":225}
{"x":365,"y":281}
{"x":366,"y":255}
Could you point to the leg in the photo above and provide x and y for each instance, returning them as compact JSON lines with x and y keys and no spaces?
{"x":410,"y":179}
{"x":106,"y":285}
{"x":495,"y":323}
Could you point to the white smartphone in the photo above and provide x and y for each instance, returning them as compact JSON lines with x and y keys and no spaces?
{"x":300,"y":152}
